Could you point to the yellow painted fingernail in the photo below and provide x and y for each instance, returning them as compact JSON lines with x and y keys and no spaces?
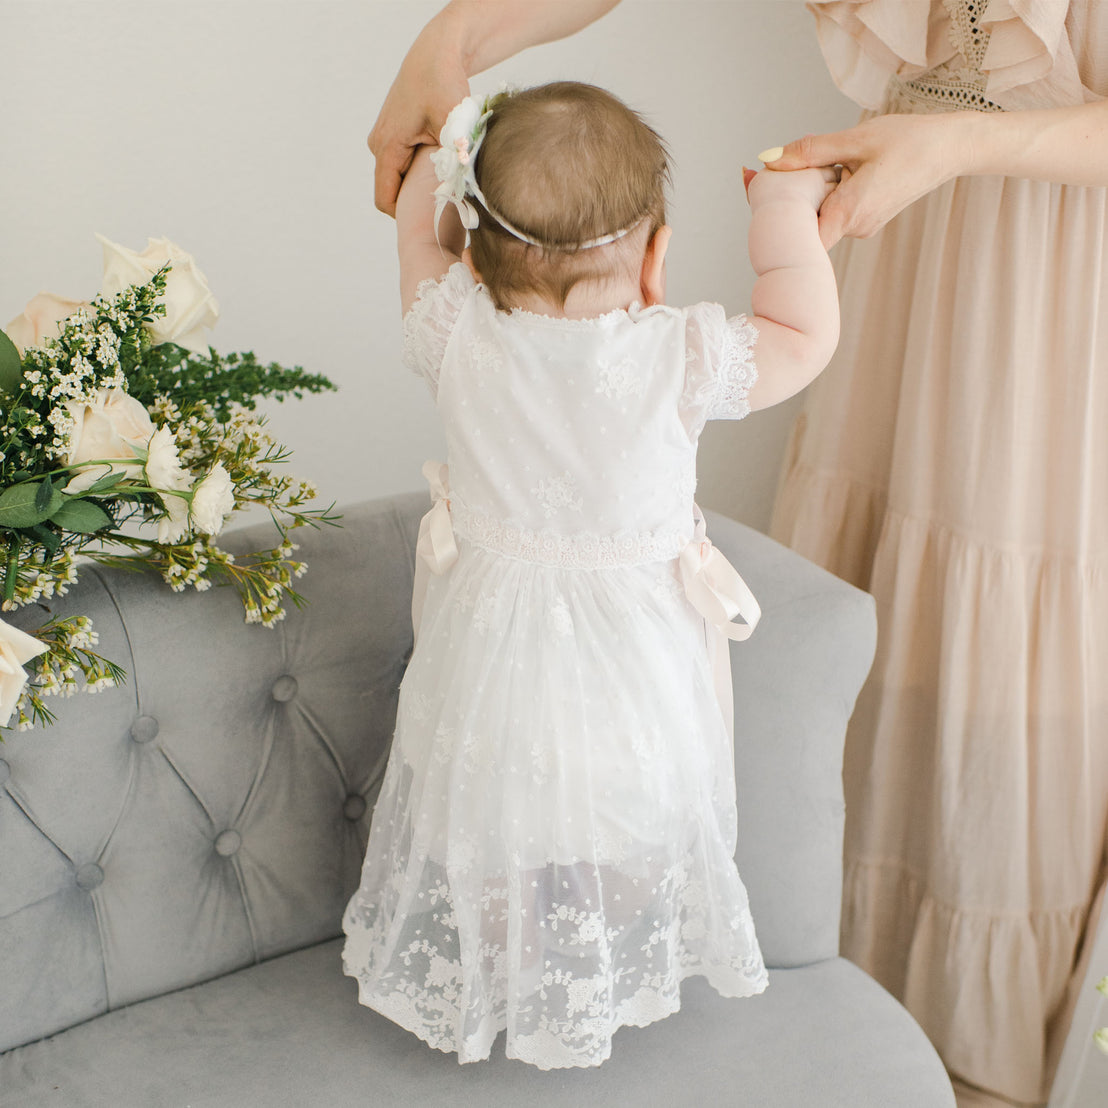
{"x":772,"y":154}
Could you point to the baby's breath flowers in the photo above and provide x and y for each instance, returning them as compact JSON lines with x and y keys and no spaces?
{"x":123,"y":442}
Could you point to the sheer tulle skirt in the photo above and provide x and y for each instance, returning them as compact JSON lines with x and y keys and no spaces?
{"x":551,"y":853}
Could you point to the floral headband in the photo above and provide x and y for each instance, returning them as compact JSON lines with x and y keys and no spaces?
{"x":455,"y":161}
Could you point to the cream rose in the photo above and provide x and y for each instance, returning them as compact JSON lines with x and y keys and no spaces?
{"x":213,"y":500}
{"x":16,"y":648}
{"x":111,"y":426}
{"x":41,"y":320}
{"x":190,"y":307}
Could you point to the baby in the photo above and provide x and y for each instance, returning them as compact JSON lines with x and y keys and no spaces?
{"x":552,"y":850}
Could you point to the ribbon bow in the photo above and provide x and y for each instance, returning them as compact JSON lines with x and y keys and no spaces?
{"x":721,"y":596}
{"x":436,"y":549}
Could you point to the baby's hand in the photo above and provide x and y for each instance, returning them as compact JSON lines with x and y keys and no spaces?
{"x":812,"y":185}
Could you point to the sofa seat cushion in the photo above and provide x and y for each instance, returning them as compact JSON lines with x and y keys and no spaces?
{"x":289,"y":1032}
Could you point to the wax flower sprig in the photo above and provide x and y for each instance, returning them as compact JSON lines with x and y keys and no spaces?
{"x":125,"y":440}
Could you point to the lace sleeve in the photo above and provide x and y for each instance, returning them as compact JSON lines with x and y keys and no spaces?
{"x":430,"y":321}
{"x":719,"y":366}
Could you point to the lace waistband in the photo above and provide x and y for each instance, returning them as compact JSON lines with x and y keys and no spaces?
{"x":944,"y":89}
{"x":578,"y":551}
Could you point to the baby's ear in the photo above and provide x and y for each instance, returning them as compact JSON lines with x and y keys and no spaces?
{"x":653,"y":279}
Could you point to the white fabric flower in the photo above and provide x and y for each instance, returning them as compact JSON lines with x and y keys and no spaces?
{"x":213,"y":500}
{"x":459,"y":140}
{"x":110,"y":425}
{"x":16,"y":648}
{"x":41,"y":320}
{"x":190,"y":307}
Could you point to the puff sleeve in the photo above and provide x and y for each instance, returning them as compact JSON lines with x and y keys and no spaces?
{"x":719,"y":366}
{"x":430,"y":322}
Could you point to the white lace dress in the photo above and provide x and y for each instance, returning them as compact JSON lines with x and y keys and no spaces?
{"x":552,"y":849}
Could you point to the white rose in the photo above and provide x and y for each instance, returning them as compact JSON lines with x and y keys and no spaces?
{"x":190,"y":307}
{"x":16,"y":648}
{"x":41,"y":320}
{"x":108,"y":427}
{"x":213,"y":500}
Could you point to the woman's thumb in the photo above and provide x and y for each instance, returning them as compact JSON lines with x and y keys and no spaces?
{"x":811,"y":151}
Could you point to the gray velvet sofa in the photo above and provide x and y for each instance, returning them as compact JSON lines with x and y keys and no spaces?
{"x":175,"y":856}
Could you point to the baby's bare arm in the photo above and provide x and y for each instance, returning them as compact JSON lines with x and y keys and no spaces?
{"x":795,"y":302}
{"x":422,"y":255}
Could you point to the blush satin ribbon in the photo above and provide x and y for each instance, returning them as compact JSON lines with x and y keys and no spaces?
{"x":711,"y":583}
{"x":715,"y":589}
{"x":436,"y":548}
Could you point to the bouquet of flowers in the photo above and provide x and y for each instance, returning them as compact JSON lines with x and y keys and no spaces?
{"x":126,"y":440}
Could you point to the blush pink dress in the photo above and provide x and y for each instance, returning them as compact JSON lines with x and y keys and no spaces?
{"x":953,"y":461}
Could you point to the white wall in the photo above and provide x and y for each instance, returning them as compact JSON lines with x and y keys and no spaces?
{"x":237,"y":129}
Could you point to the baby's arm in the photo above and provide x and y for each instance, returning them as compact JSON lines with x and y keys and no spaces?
{"x":421,"y":255}
{"x":795,"y":302}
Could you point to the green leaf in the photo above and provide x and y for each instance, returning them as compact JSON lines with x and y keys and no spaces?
{"x":18,"y":506}
{"x":51,"y":540}
{"x":81,"y":516}
{"x":106,"y":482}
{"x":44,"y":495}
{"x":10,"y":371}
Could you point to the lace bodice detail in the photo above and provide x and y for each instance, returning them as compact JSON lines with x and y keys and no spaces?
{"x":573,"y":442}
{"x":955,"y":85}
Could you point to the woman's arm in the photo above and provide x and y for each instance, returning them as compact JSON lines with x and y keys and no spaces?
{"x":795,"y":302}
{"x":892,"y":160}
{"x":466,"y":37}
{"x":423,"y":256}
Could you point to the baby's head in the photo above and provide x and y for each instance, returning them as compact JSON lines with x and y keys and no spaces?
{"x":566,"y":164}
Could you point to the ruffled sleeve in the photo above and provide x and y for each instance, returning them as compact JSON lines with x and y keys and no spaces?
{"x":865,"y":42}
{"x":1030,"y":60}
{"x":430,"y":322}
{"x":719,"y":366}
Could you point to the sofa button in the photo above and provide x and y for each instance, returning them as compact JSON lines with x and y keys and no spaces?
{"x":144,"y":729}
{"x":227,"y":843}
{"x":284,"y":688}
{"x":5,"y":772}
{"x":89,"y":876}
{"x":354,"y":808}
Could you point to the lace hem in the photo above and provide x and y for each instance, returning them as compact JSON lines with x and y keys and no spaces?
{"x":737,"y":375}
{"x":578,"y":551}
{"x":543,"y":1050}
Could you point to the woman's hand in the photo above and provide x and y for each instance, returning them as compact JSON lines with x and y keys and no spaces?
{"x":432,"y":79}
{"x":464,"y":38}
{"x":888,"y":162}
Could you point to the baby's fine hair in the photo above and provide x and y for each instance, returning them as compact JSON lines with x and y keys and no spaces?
{"x":565,"y":163}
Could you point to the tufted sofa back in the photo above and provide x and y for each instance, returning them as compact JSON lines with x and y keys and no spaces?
{"x":212,"y":812}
